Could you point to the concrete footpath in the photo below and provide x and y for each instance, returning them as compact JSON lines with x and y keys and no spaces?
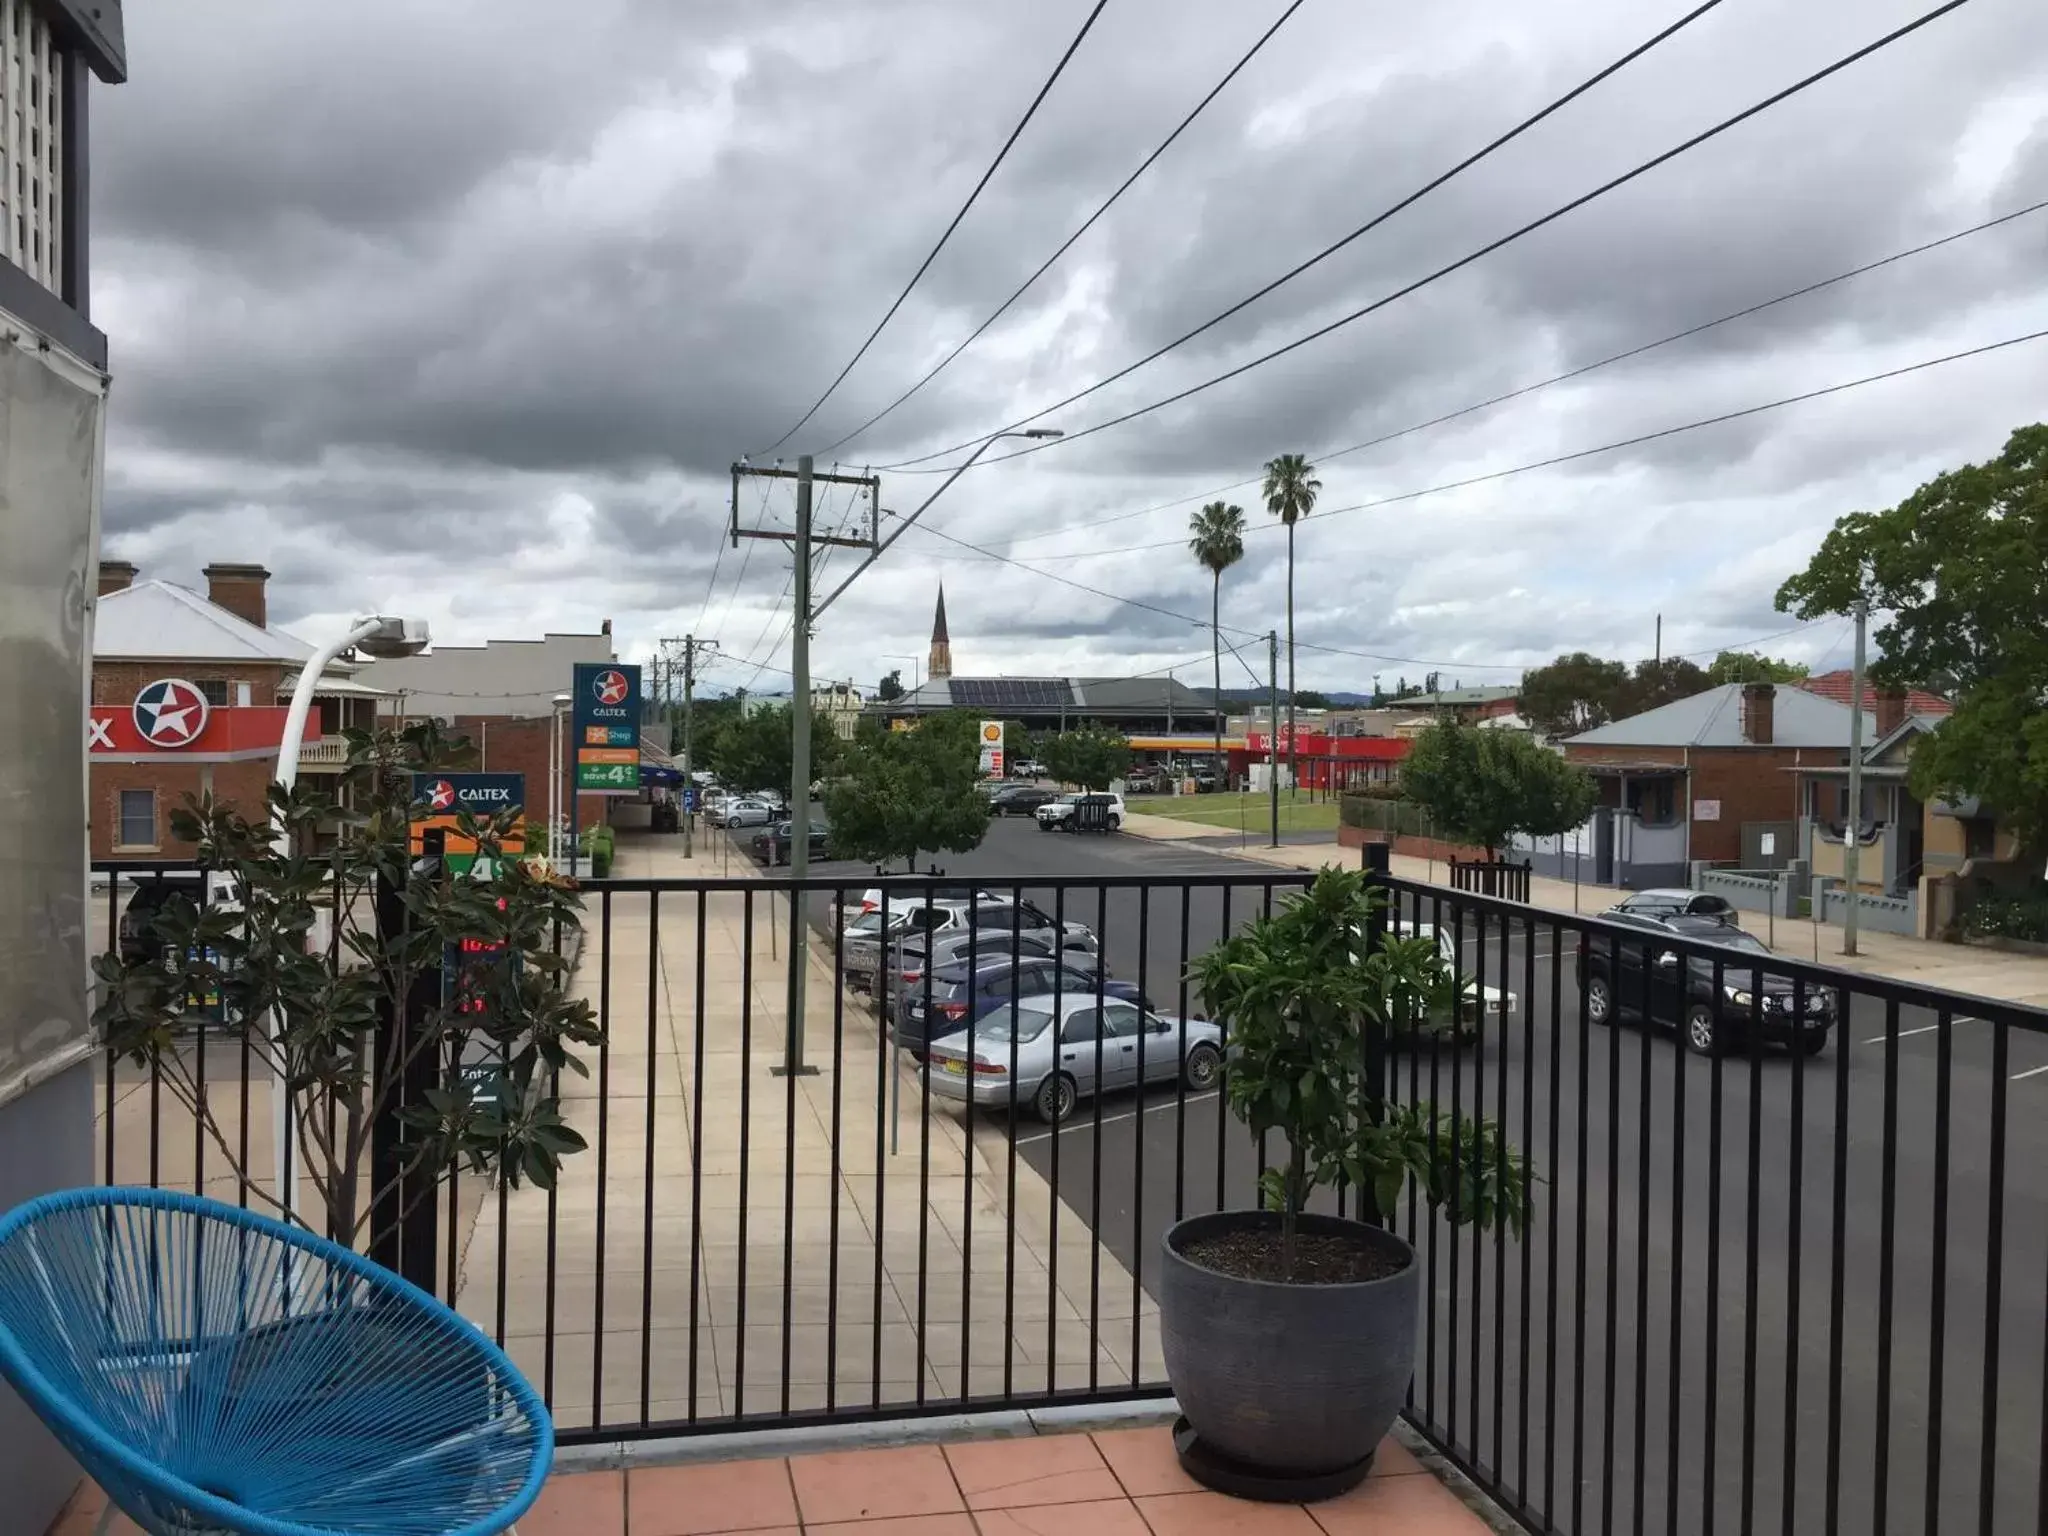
{"x":1957,"y":967}
{"x":761,"y":1247}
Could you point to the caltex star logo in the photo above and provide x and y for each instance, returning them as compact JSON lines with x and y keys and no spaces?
{"x":442,"y":795}
{"x":610,"y":687}
{"x":170,"y":713}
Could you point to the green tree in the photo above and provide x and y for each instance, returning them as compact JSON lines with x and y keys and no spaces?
{"x":1960,"y":571}
{"x":903,"y":793}
{"x":753,"y":750}
{"x":1657,"y":683}
{"x":1216,"y":540}
{"x":1312,"y":698}
{"x":1090,"y":757}
{"x":1574,"y":693}
{"x":1290,"y":489}
{"x":1302,"y":994}
{"x":891,"y":686}
{"x":1484,"y":786}
{"x":1753,"y":667}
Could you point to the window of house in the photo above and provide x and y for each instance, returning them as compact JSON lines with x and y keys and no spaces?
{"x":138,"y":818}
{"x":215,"y":689}
{"x":1980,"y":837}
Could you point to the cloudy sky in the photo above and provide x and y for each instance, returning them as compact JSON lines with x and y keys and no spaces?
{"x":463,"y":308}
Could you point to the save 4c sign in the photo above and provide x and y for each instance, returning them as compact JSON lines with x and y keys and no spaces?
{"x":605,"y":724}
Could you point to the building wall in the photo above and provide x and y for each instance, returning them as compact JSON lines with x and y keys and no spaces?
{"x":242,"y":785}
{"x":505,"y":745}
{"x":1752,"y":784}
{"x":501,"y":677}
{"x":117,"y":682}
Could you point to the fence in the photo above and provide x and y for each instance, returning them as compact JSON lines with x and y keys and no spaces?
{"x":1760,"y":1288}
{"x":1510,"y":881}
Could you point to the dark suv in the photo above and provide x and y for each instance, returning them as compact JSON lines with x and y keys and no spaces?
{"x":1617,"y":972}
{"x":958,"y":993}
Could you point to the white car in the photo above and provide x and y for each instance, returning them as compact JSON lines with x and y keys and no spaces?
{"x":1057,"y":813}
{"x":743,"y":813}
{"x":1497,"y":1002}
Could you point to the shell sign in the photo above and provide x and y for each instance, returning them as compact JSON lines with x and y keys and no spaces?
{"x":992,"y":748}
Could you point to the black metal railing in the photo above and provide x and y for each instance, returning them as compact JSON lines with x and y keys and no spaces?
{"x":1761,"y":1288}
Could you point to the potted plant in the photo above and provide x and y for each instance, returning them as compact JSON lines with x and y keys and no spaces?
{"x":1289,"y":1335}
{"x":301,"y":967}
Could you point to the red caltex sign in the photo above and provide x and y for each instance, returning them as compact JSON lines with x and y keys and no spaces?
{"x":170,"y":718}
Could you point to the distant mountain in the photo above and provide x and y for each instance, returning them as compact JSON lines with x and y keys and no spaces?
{"x":1239,"y":696}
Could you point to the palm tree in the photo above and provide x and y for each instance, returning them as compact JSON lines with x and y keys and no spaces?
{"x":1216,"y":539}
{"x":1290,"y":491}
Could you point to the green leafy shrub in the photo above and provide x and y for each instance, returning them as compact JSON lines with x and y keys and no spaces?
{"x":2009,"y":917}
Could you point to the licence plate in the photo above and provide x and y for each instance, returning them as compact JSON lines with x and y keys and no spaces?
{"x":916,"y":1007}
{"x":957,"y":1068}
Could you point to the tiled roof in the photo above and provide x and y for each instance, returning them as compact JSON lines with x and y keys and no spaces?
{"x":1836,"y":685}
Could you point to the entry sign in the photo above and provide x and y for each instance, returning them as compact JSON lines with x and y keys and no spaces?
{"x":447,"y":795}
{"x":992,"y":748}
{"x":605,"y":725}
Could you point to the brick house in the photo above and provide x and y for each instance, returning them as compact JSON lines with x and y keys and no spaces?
{"x":1711,"y":778}
{"x":222,"y":646}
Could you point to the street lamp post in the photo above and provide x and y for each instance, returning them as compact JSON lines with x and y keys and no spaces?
{"x":379,"y":636}
{"x":558,"y":775}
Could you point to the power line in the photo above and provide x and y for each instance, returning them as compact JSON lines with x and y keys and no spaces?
{"x":746,"y":559}
{"x":932,"y":256}
{"x":1086,"y":225}
{"x":1330,"y":250}
{"x":1562,"y":458}
{"x":1556,"y":378}
{"x":1491,"y":246}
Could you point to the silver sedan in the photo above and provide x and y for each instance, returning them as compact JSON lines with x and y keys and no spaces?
{"x":1027,"y":1055}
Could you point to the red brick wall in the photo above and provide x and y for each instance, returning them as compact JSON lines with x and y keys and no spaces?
{"x":1752,"y":784}
{"x":505,"y":744}
{"x":240,"y":784}
{"x":117,"y":682}
{"x":1411,"y":847}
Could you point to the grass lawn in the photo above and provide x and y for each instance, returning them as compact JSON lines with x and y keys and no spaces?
{"x":1249,"y":810}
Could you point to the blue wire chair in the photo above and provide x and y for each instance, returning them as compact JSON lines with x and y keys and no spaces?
{"x":217,"y":1371}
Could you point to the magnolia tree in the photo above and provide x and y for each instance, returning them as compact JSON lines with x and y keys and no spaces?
{"x":1310,"y":998}
{"x":249,"y":961}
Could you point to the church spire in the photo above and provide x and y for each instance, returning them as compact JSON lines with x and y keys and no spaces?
{"x":940,"y":662}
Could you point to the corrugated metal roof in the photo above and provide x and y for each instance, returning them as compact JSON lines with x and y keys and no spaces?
{"x":161,"y":621}
{"x":1714,"y":719}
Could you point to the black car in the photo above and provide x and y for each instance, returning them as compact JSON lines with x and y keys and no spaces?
{"x":771,"y":843}
{"x":136,"y":940}
{"x":957,"y":993}
{"x":1020,"y":800}
{"x":1619,"y":973}
{"x":1676,"y":901}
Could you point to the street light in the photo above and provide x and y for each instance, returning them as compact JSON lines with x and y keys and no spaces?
{"x":382,"y":637}
{"x":557,"y":778}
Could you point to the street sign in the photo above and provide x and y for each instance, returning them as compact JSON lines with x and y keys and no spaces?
{"x":606,"y":728}
{"x":446,"y":795}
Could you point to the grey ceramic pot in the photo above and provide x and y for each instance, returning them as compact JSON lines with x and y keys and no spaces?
{"x":1292,"y":1380}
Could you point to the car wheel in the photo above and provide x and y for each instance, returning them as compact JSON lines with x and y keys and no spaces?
{"x":1815,"y":1043}
{"x":1116,"y":823}
{"x":1203,"y":1066}
{"x":1702,"y":1030}
{"x":1056,"y":1098}
{"x":1599,"y":1000}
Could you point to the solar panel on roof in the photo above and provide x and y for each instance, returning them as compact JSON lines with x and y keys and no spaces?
{"x":1010,"y":693}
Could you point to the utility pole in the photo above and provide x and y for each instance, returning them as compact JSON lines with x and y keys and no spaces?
{"x":1273,"y":696}
{"x":1854,"y":819}
{"x":691,"y":645}
{"x":1658,"y":654}
{"x":803,"y":541}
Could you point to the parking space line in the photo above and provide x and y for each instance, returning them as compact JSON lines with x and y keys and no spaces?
{"x":1923,"y":1029}
{"x":1082,"y":1122}
{"x":2030,"y":1072}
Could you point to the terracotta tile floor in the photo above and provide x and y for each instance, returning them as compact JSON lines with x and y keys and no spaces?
{"x":1123,"y":1482}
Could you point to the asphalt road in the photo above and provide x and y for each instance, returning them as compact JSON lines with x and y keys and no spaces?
{"x":1670,"y":1182}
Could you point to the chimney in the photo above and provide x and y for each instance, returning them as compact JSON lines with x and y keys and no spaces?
{"x":116,"y":576}
{"x":1759,"y":705}
{"x":239,"y":589}
{"x":605,"y":628}
{"x":1890,"y":707}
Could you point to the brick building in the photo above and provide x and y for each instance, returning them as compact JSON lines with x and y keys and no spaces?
{"x":501,"y":696}
{"x":1713,"y":778}
{"x":188,"y":697}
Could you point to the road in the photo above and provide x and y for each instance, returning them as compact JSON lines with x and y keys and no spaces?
{"x":1669,"y":1179}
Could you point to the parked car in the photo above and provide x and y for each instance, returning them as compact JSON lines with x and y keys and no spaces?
{"x":743,"y":812}
{"x":1465,"y":1022}
{"x":939,"y":1003}
{"x":1020,"y":800}
{"x":135,"y":940}
{"x":1027,"y":768}
{"x":914,"y":953}
{"x":1676,"y":901}
{"x":771,"y":845}
{"x":1207,"y":779}
{"x":1055,"y":814}
{"x":862,"y":950}
{"x":774,"y":799}
{"x":1074,"y":1052}
{"x":1618,"y":973}
{"x":1145,"y":780}
{"x":992,"y":927}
